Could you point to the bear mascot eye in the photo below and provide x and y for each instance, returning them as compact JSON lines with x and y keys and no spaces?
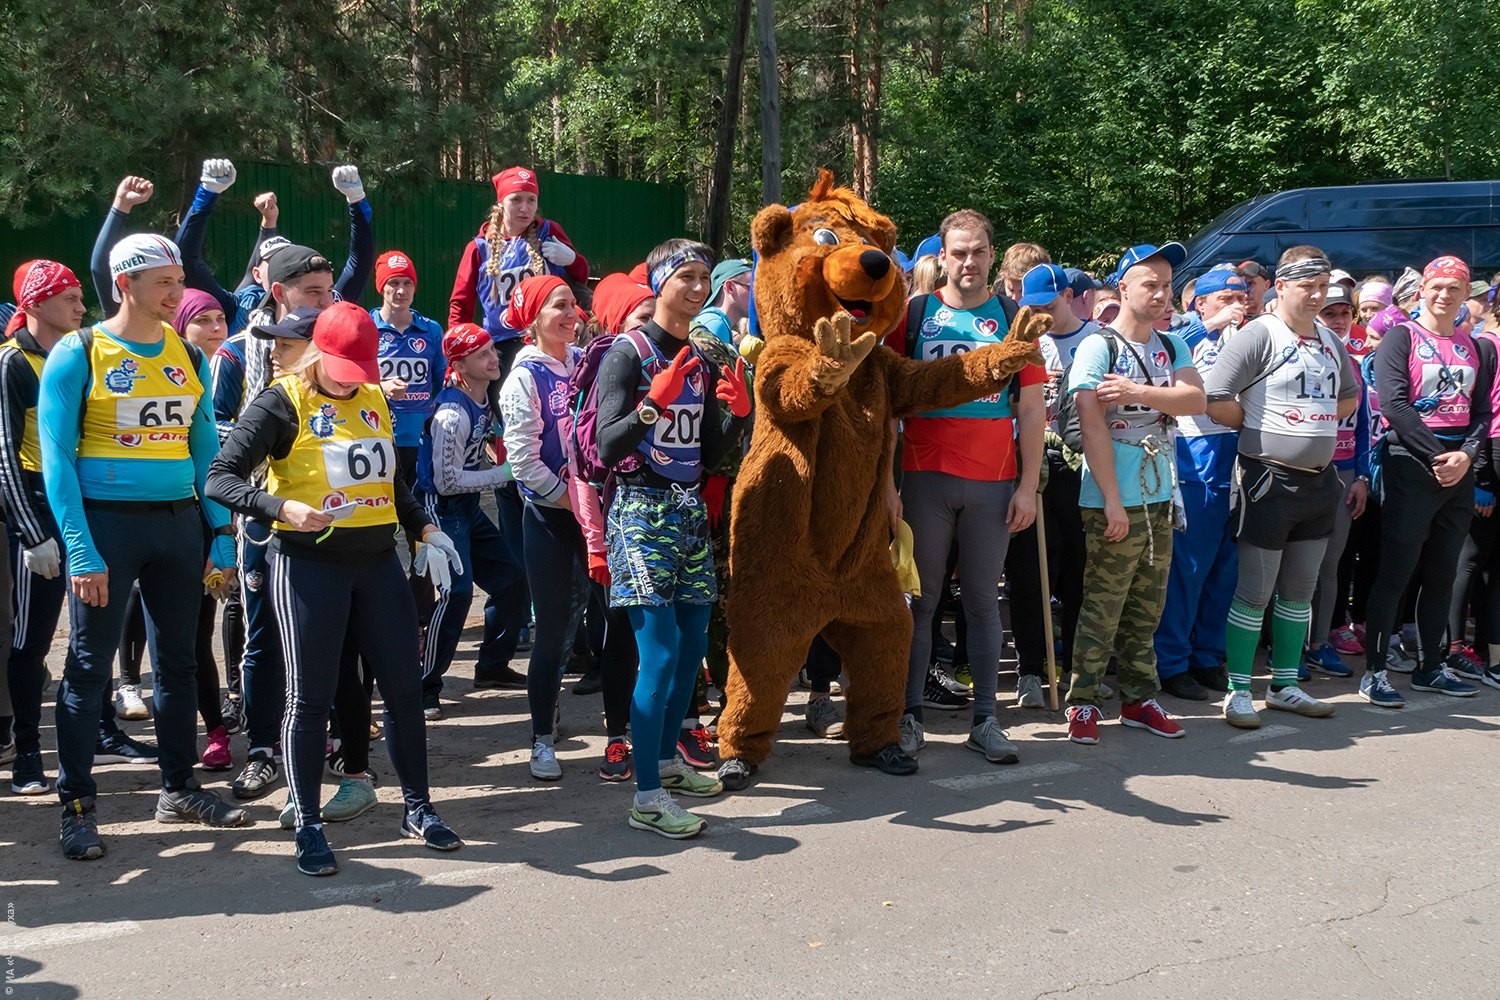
{"x":827,"y":237}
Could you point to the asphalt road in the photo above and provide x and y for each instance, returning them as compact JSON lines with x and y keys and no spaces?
{"x":1346,"y":857}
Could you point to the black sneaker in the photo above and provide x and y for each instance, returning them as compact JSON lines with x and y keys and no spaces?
{"x":1213,"y":678}
{"x":197,"y":805}
{"x":259,"y":776}
{"x":27,"y":777}
{"x":936,"y":694}
{"x":314,"y":856}
{"x":80,"y":831}
{"x":735,"y":774}
{"x":1185,"y":686}
{"x":592,"y":682}
{"x":234,"y":716}
{"x":505,"y":677}
{"x":891,"y":759}
{"x":696,"y":749}
{"x":616,"y":765}
{"x":117,"y":748}
{"x":425,"y":826}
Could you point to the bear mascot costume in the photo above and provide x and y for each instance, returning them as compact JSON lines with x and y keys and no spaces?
{"x":810,"y":529}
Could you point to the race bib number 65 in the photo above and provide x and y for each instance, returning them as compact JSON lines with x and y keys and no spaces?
{"x":149,"y":412}
{"x":358,"y":462}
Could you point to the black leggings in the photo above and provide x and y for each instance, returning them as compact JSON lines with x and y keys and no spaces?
{"x":555,"y":565}
{"x":1423,"y":529}
{"x":1478,"y":581}
{"x":135,"y":641}
{"x":618,"y":662}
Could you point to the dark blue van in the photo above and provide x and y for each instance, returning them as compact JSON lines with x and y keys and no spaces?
{"x":1364,"y":228}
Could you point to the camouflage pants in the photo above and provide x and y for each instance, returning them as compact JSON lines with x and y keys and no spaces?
{"x":1124,"y":588}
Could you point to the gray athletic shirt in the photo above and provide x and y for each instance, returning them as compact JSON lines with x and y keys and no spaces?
{"x":1289,"y":388}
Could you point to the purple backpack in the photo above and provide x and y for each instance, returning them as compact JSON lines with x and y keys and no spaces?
{"x":583,"y":397}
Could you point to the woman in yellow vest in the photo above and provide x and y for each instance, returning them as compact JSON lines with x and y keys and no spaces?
{"x":325,"y":432}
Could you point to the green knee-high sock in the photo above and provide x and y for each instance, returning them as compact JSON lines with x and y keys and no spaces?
{"x":1289,"y":624}
{"x":1241,"y":639}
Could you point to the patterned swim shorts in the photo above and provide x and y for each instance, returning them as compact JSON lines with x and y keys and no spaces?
{"x":660,"y":551}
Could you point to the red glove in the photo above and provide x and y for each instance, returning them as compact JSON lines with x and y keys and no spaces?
{"x":599,"y":568}
{"x":667,"y":385}
{"x":733,"y":391}
{"x":715,"y":488}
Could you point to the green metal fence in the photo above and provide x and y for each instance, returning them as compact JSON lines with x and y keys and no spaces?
{"x":612,"y":222}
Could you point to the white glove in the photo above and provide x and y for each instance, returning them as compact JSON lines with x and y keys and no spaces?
{"x":559,"y":253}
{"x":438,"y":560}
{"x":218,"y":175}
{"x":45,"y":560}
{"x":347,"y":183}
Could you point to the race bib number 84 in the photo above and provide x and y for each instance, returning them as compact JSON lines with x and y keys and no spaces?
{"x":359,"y":462}
{"x":136,"y":412}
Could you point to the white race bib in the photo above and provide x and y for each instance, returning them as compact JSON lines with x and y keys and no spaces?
{"x":149,"y":412}
{"x":359,"y":462}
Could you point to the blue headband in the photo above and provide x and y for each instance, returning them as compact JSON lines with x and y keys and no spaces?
{"x":661,"y":272}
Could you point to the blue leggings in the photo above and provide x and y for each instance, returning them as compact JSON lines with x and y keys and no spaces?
{"x":672,"y":641}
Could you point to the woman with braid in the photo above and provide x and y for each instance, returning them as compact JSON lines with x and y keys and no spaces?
{"x":514,"y":243}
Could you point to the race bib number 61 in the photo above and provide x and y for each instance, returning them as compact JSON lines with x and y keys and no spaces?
{"x":358,"y":462}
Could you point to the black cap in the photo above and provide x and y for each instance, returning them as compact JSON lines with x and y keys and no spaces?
{"x":294,"y":261}
{"x":1338,"y":295}
{"x":295,"y":325}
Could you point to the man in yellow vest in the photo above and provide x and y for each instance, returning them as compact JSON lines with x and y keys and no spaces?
{"x":126,"y":436}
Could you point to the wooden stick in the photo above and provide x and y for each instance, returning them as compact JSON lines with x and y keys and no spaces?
{"x":1051,"y":641}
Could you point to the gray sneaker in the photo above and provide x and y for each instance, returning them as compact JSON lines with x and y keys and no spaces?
{"x":1029,"y":692}
{"x":824,"y":718}
{"x":912,"y":736}
{"x":989,"y":739}
{"x":1398,"y":660}
{"x":1239,"y":710}
{"x":544,"y":765}
{"x":79,"y":835}
{"x":197,"y":805}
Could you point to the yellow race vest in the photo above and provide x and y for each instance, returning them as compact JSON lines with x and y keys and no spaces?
{"x":31,"y":445}
{"x":343,"y":454}
{"x":139,"y":407}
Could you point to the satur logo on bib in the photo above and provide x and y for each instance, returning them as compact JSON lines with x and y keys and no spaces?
{"x":122,"y":380}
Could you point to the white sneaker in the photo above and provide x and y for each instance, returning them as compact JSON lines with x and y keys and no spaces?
{"x":544,"y":765}
{"x":1029,"y":692}
{"x":1239,"y":710}
{"x":912,"y":736}
{"x":128,"y":703}
{"x":1294,"y":699}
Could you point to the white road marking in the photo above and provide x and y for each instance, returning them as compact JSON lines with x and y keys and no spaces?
{"x":1007,"y":775}
{"x":20,"y":942}
{"x":1264,"y":733}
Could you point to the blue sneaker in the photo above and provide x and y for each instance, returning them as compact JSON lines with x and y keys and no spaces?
{"x":1376,"y":689}
{"x":1442,"y":681}
{"x":313,"y":854}
{"x":1303,"y":674}
{"x":1325,"y":660}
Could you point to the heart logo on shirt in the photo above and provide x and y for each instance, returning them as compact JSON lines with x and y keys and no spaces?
{"x":1159,"y":358}
{"x":986,"y":327}
{"x":177,"y":375}
{"x":418,"y":344}
{"x":372,"y":418}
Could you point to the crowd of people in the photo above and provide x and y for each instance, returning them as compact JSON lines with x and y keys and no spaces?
{"x":250,"y":461}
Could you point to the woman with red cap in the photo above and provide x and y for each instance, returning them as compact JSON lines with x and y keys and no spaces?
{"x":1434,"y":386}
{"x":534,"y":411}
{"x":513,"y":244}
{"x":333,"y":493}
{"x":452,"y":471}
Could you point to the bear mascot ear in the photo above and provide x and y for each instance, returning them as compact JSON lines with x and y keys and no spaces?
{"x":771,"y":230}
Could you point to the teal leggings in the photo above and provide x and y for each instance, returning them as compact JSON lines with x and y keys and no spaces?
{"x":672,"y":641}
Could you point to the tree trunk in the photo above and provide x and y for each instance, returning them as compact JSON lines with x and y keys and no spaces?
{"x":723,"y":176}
{"x":770,"y":102}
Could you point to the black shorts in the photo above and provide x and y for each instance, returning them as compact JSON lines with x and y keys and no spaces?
{"x":1276,"y":505}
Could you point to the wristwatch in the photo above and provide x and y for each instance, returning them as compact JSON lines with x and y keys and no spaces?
{"x":226,"y":531}
{"x":648,"y":411}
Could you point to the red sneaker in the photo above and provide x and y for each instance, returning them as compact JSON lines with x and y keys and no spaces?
{"x":1083,"y":724}
{"x":1150,"y":716}
{"x":1345,"y":640}
{"x":216,"y":757}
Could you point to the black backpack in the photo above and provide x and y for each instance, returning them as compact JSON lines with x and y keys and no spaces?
{"x":1067,"y":411}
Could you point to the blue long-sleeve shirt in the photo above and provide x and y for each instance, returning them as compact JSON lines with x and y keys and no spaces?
{"x":66,"y":381}
{"x":112,"y":232}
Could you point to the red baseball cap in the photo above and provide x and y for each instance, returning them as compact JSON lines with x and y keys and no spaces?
{"x":346,"y":337}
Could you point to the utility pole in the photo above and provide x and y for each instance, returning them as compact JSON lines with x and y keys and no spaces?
{"x":770,"y":102}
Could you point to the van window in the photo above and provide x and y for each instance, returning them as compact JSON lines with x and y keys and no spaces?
{"x":1382,"y":206}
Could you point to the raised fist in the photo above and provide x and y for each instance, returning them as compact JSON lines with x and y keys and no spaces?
{"x":217,"y":176}
{"x":347,"y":183}
{"x":841,"y":356}
{"x":265,"y":204}
{"x":133,"y":191}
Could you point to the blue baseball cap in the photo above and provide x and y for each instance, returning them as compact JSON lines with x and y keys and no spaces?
{"x":1042,"y":285}
{"x":1173,"y":253}
{"x":903,"y":261}
{"x":295,"y":325}
{"x":930,"y":247}
{"x":1080,"y":281}
{"x":1219,"y":279}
